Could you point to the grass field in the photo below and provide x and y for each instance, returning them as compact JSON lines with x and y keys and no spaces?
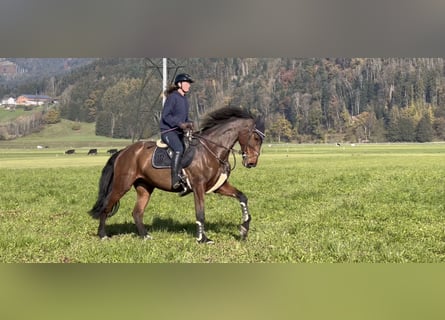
{"x":309,"y":203}
{"x":7,"y":115}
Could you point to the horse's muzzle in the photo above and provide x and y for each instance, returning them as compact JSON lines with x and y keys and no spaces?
{"x":249,"y":164}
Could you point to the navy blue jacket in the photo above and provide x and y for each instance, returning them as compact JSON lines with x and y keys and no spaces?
{"x":175,"y":111}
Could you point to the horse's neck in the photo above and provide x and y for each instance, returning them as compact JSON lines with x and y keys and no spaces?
{"x":226,"y":138}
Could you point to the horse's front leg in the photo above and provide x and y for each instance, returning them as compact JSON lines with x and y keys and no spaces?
{"x":200,"y":215}
{"x":228,"y":190}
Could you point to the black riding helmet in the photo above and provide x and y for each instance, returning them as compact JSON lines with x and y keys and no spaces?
{"x":183,"y":77}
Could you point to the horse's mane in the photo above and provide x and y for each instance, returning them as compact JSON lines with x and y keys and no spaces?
{"x":223,"y":116}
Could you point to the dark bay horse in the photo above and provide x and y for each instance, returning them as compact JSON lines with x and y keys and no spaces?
{"x":208,"y":172}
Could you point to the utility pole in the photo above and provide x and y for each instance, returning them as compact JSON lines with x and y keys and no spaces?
{"x":164,"y":72}
{"x":163,"y":68}
{"x":164,"y":78}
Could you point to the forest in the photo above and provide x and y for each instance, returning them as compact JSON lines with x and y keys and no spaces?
{"x":303,"y":100}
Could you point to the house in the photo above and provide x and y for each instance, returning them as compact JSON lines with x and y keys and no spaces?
{"x":8,"y":102}
{"x":33,"y":100}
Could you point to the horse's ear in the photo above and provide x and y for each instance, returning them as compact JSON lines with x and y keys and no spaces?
{"x":260,"y":123}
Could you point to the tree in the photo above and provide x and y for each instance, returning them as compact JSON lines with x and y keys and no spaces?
{"x":281,"y":128}
{"x":424,"y":130}
{"x":393,"y":130}
{"x":52,"y":116}
{"x":103,"y":124}
{"x":407,"y":129}
{"x":364,"y":125}
{"x":120,"y":101}
{"x":439,"y":128}
{"x":314,"y":120}
{"x":91,"y":105}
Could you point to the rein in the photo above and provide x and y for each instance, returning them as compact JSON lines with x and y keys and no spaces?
{"x":202,"y":140}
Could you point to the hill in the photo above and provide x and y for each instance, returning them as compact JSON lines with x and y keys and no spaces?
{"x":37,"y":75}
{"x":63,"y":135}
{"x":302,"y":99}
{"x":43,"y":67}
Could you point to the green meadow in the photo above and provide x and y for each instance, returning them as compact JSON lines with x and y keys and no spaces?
{"x":309,"y":203}
{"x":64,"y":135}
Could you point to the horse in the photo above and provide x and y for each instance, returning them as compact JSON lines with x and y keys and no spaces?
{"x":208,"y":171}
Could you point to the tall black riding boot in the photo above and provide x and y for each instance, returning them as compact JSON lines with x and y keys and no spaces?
{"x":176,"y":169}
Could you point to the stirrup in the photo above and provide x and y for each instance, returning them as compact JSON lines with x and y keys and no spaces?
{"x":178,"y":184}
{"x":185,"y":191}
{"x":184,"y":184}
{"x":181,"y":188}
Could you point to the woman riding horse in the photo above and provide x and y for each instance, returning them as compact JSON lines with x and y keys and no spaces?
{"x":174,"y":120}
{"x":208,"y":172}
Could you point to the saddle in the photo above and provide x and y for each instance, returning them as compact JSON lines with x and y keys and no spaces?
{"x":162,"y":156}
{"x":161,"y":159}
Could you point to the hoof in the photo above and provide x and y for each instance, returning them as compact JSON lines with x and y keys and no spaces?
{"x":104,"y":238}
{"x":208,"y":241}
{"x":205,"y":240}
{"x":243,"y":233}
{"x":147,"y":237}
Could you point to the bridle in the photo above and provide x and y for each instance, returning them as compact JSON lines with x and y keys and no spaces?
{"x":243,"y":151}
{"x":204,"y":141}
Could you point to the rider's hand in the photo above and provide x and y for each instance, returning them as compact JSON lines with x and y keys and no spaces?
{"x":186,"y":125}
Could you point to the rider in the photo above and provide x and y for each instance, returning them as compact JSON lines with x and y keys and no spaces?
{"x":174,"y":121}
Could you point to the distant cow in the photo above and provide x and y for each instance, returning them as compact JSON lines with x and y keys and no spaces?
{"x":92,"y":152}
{"x":70,"y":151}
{"x":112,"y":151}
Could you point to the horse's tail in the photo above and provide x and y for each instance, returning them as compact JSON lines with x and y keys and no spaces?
{"x":105,"y":186}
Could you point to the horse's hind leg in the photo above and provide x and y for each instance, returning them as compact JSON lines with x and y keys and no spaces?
{"x":228,"y":190}
{"x":101,"y":230}
{"x":143,"y":196}
{"x":116,"y":194}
